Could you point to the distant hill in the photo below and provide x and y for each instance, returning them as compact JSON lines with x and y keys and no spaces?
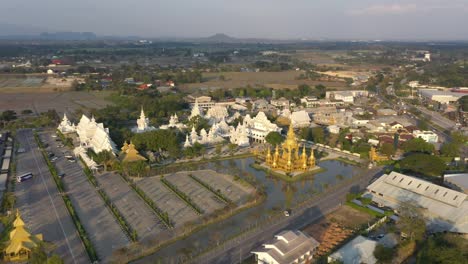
{"x":19,"y":30}
{"x":219,"y":38}
{"x":68,"y":36}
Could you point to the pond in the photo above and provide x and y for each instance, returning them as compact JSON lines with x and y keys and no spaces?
{"x":280,"y":196}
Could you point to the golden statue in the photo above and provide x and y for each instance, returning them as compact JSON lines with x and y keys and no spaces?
{"x":288,"y":159}
{"x":21,"y":242}
{"x":130,"y":154}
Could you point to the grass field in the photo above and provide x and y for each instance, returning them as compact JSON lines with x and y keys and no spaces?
{"x":275,"y":80}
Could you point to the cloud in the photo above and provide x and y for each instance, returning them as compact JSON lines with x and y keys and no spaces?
{"x":385,"y":9}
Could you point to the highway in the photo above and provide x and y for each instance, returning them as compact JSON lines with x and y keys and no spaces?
{"x":437,"y":118}
{"x":238,"y":249}
{"x":41,"y":205}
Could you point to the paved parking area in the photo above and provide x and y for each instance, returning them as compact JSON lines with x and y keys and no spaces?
{"x":41,"y":205}
{"x":204,"y":198}
{"x":178,"y":211}
{"x":137,"y":213}
{"x":225,"y":183}
{"x":99,"y":222}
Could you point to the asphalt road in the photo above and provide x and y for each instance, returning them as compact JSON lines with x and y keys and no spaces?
{"x":437,"y":118}
{"x":98,"y":221}
{"x":41,"y":205}
{"x":236,"y":250}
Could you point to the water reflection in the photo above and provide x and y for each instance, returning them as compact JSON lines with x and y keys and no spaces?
{"x":280,"y":195}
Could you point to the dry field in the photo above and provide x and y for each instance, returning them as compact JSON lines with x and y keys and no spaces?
{"x":33,"y":83}
{"x":62,"y":102}
{"x":275,"y":80}
{"x":336,"y":227}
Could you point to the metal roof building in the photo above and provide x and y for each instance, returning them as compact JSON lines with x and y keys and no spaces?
{"x":445,"y":209}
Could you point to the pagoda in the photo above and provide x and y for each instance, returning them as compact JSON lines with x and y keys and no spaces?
{"x":21,"y":242}
{"x":130,"y":154}
{"x":288,"y":158}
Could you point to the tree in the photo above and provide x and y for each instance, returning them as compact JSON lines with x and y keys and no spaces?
{"x":136,"y":168}
{"x":274,"y":138}
{"x":54,"y":259}
{"x":411,"y":222}
{"x":443,"y":248}
{"x":418,"y":145}
{"x":424,"y":164}
{"x":450,"y":149}
{"x":320,"y":90}
{"x":304,"y":90}
{"x":26,"y":112}
{"x":38,"y":256}
{"x":383,"y":254}
{"x":318,"y":135}
{"x":387,"y":149}
{"x":105,"y":158}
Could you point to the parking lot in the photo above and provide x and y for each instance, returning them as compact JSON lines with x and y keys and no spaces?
{"x":201,"y":196}
{"x":226,"y":184}
{"x":137,"y":213}
{"x":179,"y":212}
{"x":100,"y":224}
{"x":41,"y":206}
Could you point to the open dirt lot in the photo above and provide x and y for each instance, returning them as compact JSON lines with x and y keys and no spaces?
{"x":62,"y":102}
{"x":275,"y":80}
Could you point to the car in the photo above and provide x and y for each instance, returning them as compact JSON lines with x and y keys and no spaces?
{"x":380,"y":236}
{"x":61,"y":175}
{"x":287,"y":212}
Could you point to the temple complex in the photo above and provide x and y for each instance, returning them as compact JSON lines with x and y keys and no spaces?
{"x":288,"y":158}
{"x":239,"y":135}
{"x":21,"y":242}
{"x":94,"y":135}
{"x":130,"y":154}
{"x":217,"y":113}
{"x":206,"y":138}
{"x":142,"y":124}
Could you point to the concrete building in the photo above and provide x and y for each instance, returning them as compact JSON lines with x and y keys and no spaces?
{"x":358,"y":250}
{"x":386,"y":112}
{"x":280,"y":103}
{"x":300,"y":119}
{"x":428,"y":136}
{"x":445,"y":209}
{"x":437,"y":96}
{"x":287,"y":247}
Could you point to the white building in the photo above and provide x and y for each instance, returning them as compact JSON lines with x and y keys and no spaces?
{"x":287,"y":247}
{"x":358,"y":250}
{"x":94,"y":135}
{"x":427,"y":135}
{"x":445,"y":209}
{"x":259,"y":127}
{"x":280,"y":103}
{"x":346,"y":96}
{"x":300,"y":119}
{"x":204,"y":137}
{"x":142,"y":124}
{"x":196,"y":110}
{"x":239,"y":135}
{"x":442,"y":97}
{"x":173,"y":123}
{"x":334,"y":129}
{"x":217,"y":113}
{"x":66,"y":126}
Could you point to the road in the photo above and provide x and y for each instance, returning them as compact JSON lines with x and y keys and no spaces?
{"x":41,"y":205}
{"x":437,"y":118}
{"x":102,"y":228}
{"x":238,"y":249}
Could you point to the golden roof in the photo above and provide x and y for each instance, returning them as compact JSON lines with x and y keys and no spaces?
{"x":20,"y":238}
{"x":291,"y":141}
{"x":131,"y":154}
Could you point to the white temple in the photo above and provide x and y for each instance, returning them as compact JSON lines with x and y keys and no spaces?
{"x":66,"y":126}
{"x":142,"y":124}
{"x":239,"y":135}
{"x":173,"y":123}
{"x":206,"y":138}
{"x":94,"y":135}
{"x":196,"y":110}
{"x":259,"y":127}
{"x":217,"y":113}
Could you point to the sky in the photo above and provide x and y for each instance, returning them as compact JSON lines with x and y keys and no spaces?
{"x":274,"y":19}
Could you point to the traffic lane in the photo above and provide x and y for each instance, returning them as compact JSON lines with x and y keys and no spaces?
{"x":43,"y":209}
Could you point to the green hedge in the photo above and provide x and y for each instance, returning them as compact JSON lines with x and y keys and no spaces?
{"x":71,"y":210}
{"x":182,"y":195}
{"x":132,"y":234}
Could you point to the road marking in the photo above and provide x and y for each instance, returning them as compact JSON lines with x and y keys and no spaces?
{"x":51,"y":200}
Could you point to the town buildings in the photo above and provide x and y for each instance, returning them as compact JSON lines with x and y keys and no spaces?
{"x":287,"y":247}
{"x":358,"y":250}
{"x":428,"y":136}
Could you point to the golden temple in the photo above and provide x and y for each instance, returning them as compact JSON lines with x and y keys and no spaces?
{"x":375,"y":157}
{"x":21,"y":242}
{"x":288,"y":159}
{"x":130,"y":154}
